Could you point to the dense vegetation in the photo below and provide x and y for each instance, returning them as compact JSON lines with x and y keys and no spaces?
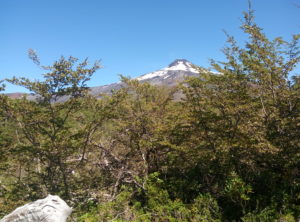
{"x":228,"y":150}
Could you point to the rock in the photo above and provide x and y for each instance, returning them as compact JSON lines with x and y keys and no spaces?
{"x":50,"y":209}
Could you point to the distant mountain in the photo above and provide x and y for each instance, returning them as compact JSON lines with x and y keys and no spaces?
{"x":15,"y":95}
{"x":176,"y":72}
{"x":171,"y":75}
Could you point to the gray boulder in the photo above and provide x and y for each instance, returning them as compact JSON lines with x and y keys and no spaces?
{"x":50,"y":209}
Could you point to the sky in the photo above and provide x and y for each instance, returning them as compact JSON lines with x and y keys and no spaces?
{"x":130,"y":37}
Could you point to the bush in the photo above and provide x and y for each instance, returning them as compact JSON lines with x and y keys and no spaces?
{"x":155,"y":204}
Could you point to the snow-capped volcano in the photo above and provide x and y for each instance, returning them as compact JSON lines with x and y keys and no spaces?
{"x":177,"y":65}
{"x":171,"y":75}
{"x":181,"y":64}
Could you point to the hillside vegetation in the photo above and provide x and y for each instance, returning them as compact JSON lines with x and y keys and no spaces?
{"x":229,"y":150}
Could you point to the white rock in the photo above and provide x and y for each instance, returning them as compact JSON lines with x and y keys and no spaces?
{"x":49,"y":209}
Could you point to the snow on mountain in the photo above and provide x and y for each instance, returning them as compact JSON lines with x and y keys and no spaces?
{"x":176,"y":72}
{"x":177,"y":65}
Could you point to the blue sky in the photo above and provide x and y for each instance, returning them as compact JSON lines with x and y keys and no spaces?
{"x":130,"y":37}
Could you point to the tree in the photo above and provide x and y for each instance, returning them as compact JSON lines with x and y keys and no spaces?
{"x":244,"y":122}
{"x":49,"y":137}
{"x":132,"y":140}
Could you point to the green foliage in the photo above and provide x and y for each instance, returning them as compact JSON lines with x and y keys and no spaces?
{"x":226,"y":150}
{"x":237,"y":190}
{"x":116,"y":210}
{"x":47,"y":134}
{"x":158,"y":207}
{"x":268,"y":214}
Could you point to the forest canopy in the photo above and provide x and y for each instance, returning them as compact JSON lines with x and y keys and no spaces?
{"x":228,"y":150}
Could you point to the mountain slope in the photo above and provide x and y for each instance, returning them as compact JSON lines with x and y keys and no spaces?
{"x":176,"y":72}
